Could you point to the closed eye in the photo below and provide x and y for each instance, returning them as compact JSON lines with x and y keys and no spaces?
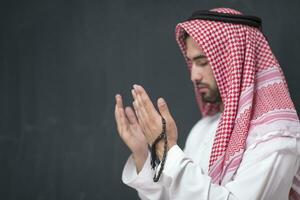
{"x":201,"y":62}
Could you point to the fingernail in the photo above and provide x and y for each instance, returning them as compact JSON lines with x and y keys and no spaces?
{"x":161,"y":101}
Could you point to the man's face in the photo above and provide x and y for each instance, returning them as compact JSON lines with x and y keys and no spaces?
{"x":201,"y":73}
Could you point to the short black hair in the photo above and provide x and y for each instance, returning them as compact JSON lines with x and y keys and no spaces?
{"x":185,"y":35}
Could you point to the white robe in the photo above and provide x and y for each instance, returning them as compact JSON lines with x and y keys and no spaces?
{"x":266,"y":171}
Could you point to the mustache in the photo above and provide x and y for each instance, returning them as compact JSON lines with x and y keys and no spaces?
{"x":199,"y":84}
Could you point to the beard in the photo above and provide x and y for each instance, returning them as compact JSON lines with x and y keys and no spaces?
{"x":212,"y":96}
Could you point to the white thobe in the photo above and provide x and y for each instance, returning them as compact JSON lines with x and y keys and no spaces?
{"x":266,"y":170}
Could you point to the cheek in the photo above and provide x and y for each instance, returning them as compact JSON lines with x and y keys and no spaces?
{"x":195,"y":72}
{"x":210,"y":73}
{"x":213,"y":84}
{"x":209,"y":77}
{"x":216,"y":88}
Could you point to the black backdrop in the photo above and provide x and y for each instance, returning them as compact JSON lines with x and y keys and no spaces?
{"x":61,"y":64}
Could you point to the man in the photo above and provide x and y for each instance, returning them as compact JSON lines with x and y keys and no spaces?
{"x":246,"y":146}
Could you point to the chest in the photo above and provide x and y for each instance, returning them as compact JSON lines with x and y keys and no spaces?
{"x":199,"y":144}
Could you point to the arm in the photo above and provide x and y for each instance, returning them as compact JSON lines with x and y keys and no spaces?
{"x":143,"y":181}
{"x":266,"y":172}
{"x":137,"y":172}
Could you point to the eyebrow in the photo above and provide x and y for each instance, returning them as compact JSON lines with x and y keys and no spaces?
{"x":199,"y":57}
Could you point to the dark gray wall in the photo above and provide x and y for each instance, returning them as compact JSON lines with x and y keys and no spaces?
{"x":61,"y":64}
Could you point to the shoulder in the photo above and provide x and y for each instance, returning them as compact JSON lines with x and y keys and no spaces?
{"x":277,"y":136}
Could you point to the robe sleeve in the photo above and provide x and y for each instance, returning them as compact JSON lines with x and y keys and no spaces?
{"x":266,"y":172}
{"x":143,"y":181}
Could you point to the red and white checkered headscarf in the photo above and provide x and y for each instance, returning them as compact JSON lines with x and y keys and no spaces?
{"x":252,"y":87}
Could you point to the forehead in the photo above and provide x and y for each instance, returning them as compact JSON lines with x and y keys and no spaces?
{"x":192,"y":48}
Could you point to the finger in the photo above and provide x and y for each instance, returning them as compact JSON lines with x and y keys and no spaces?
{"x":163,"y":108}
{"x":144,"y":99}
{"x":119,"y":101}
{"x":140,"y":91}
{"x":148,"y":116}
{"x":137,"y":101}
{"x":117,"y":114}
{"x":136,"y":110}
{"x":118,"y":119}
{"x":137,"y":104}
{"x":147,"y":111}
{"x":130,"y":115}
{"x":139,"y":107}
{"x":121,"y":118}
{"x":141,"y":117}
{"x":133,"y":94}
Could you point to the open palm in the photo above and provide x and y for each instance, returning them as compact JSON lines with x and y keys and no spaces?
{"x":129,"y":128}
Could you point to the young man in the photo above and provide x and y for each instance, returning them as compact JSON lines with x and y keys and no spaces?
{"x":247,"y":144}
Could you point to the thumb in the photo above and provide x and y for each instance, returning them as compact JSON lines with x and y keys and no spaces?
{"x":163,"y":108}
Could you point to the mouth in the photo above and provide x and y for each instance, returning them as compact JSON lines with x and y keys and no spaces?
{"x":202,"y":88}
{"x":203,"y":91}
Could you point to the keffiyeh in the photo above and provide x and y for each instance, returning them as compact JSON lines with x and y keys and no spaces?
{"x":252,"y":87}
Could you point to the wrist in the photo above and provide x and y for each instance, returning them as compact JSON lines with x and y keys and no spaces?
{"x":139,"y":159}
{"x":160,"y":148}
{"x":140,"y":154}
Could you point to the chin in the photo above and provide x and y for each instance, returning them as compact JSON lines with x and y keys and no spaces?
{"x":209,"y":99}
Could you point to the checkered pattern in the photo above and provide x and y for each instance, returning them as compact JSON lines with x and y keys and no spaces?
{"x":236,"y":53}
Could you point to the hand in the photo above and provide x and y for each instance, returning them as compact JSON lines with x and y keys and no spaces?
{"x":131,"y":132}
{"x":150,"y":120}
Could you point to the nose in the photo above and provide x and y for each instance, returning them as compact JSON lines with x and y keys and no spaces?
{"x":196,"y":75}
